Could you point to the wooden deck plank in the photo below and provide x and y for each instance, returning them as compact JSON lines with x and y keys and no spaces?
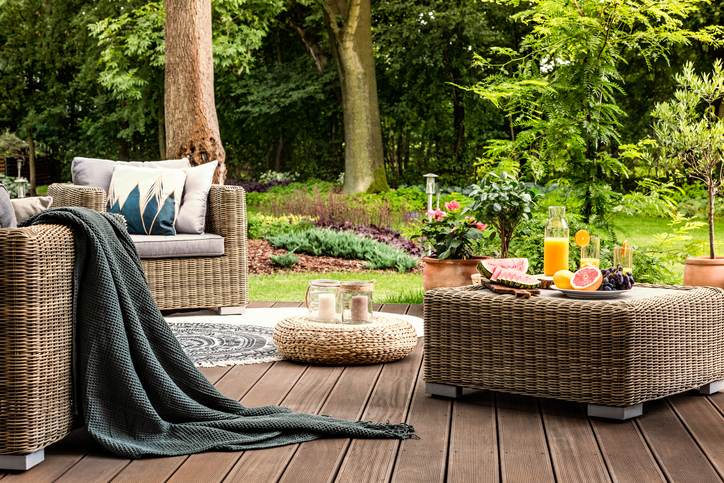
{"x":347,"y":400}
{"x":425,"y":459}
{"x":706,"y":424}
{"x":308,"y":395}
{"x":626,"y":453}
{"x":58,"y":458}
{"x":574,"y":450}
{"x":676,"y":452}
{"x":272,"y":388}
{"x":473,"y":450}
{"x":372,"y":460}
{"x":524,"y":455}
{"x":718,"y":401}
{"x":235,"y":383}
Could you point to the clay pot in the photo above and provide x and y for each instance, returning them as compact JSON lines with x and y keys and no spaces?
{"x":704,"y":272}
{"x":448,"y":273}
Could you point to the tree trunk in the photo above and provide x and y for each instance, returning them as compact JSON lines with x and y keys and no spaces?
{"x":711,"y":193}
{"x":31,"y":165}
{"x":192,"y":127}
{"x":351,"y":26}
{"x":161,"y":133}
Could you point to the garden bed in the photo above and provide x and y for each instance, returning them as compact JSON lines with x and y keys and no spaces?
{"x":259,"y":261}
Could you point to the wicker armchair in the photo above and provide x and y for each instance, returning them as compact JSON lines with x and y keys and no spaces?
{"x":36,"y":333}
{"x":218,"y":282}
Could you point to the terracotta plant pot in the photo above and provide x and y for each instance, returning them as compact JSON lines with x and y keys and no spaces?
{"x":704,"y":272}
{"x":448,"y":273}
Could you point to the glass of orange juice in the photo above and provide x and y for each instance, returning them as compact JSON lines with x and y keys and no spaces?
{"x":556,"y":244}
{"x":591,"y":253}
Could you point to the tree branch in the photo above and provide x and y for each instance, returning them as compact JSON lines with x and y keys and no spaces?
{"x":331,"y":19}
{"x":319,"y":59}
{"x":350,"y":23}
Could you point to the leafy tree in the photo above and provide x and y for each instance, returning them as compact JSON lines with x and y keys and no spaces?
{"x":560,"y":90}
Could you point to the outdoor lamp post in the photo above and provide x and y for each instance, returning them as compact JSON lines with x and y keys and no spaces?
{"x":430,"y":189}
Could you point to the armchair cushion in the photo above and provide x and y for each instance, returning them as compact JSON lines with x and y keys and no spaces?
{"x":98,"y":172}
{"x":192,"y":214}
{"x":179,"y":246}
{"x":7,"y":213}
{"x":28,"y":207}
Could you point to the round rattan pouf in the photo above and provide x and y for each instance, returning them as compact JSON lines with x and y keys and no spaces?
{"x":384,"y":339}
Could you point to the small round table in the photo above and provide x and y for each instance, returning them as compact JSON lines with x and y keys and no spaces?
{"x":384,"y":339}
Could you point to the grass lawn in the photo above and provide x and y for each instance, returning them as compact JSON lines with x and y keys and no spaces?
{"x":641,"y":232}
{"x":390,"y":287}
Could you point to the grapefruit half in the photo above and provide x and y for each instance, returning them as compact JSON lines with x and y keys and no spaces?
{"x":588,"y":278}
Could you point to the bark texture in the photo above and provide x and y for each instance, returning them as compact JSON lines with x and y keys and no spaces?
{"x":192,"y":127}
{"x":350,"y":26}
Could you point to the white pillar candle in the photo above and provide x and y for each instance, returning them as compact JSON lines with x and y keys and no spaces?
{"x":327,"y":302}
{"x":360,"y":308}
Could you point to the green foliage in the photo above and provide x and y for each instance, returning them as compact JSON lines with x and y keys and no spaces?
{"x":450,"y":233}
{"x":261,"y":226}
{"x":504,"y":202}
{"x":408,"y":296}
{"x":10,"y":185}
{"x":561,"y":90}
{"x":321,"y":242}
{"x":286,"y":260}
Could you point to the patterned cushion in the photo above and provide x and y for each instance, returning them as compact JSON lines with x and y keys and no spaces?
{"x":148,"y":198}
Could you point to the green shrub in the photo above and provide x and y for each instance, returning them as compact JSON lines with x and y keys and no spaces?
{"x":341,"y":244}
{"x":262,"y":226}
{"x":285,"y":260}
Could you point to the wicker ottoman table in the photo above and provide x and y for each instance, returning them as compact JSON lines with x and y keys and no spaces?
{"x":385,"y":339}
{"x":612,"y":355}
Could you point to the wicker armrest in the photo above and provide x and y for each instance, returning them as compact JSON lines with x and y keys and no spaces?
{"x":226,"y":213}
{"x":36,"y":335}
{"x":66,"y":194}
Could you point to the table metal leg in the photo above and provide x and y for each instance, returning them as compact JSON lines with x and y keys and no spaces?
{"x":612,"y":412}
{"x":712,"y":387}
{"x":443,"y":390}
{"x":21,"y":462}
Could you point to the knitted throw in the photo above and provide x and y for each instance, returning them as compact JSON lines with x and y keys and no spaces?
{"x":137,"y":391}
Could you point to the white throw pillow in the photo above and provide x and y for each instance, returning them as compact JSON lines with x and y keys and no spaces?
{"x":98,"y":172}
{"x":148,"y":198}
{"x":192,"y":214}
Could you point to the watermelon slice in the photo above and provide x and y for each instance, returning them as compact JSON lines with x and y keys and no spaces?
{"x":487,"y":266}
{"x":513,"y":278}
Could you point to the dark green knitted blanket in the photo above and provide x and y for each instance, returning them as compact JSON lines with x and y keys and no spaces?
{"x":138,"y":392}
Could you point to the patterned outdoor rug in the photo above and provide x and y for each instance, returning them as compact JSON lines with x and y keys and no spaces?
{"x":219,"y":344}
{"x":211,"y":340}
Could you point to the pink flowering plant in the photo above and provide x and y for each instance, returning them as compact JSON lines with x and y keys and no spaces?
{"x":451,"y":233}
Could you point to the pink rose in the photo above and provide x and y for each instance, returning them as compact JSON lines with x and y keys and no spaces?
{"x":452,"y":205}
{"x":436,"y":215}
{"x":480,"y":226}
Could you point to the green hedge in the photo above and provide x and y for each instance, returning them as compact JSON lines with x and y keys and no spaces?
{"x":263,"y":226}
{"x":322,"y":242}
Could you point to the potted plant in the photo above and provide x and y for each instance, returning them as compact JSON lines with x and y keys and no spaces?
{"x":690,"y":133}
{"x":505,"y":202}
{"x":450,"y":235}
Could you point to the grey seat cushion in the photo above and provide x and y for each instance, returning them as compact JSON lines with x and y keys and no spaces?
{"x":179,"y":246}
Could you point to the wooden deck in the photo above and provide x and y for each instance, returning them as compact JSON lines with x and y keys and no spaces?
{"x":483,"y":437}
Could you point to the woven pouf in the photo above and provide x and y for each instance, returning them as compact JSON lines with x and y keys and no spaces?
{"x":384,"y":339}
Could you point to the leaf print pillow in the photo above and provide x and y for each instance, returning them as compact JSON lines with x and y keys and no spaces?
{"x":148,"y":198}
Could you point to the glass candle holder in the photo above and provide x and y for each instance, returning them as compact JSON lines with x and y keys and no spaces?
{"x":356,"y":299}
{"x":323,"y":300}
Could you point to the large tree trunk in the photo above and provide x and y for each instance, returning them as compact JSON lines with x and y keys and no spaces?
{"x":351,"y":26}
{"x":192,"y":128}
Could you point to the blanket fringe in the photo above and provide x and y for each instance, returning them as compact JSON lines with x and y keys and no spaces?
{"x":393,"y":431}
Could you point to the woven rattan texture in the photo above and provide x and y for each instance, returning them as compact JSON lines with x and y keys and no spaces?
{"x":182,"y":283}
{"x":383,"y":340}
{"x":36,"y":331}
{"x":608,"y":353}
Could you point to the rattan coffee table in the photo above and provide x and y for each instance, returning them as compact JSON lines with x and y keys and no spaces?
{"x":385,"y":339}
{"x":611,"y":355}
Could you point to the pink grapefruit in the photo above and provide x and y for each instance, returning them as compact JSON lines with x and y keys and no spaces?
{"x":588,"y":278}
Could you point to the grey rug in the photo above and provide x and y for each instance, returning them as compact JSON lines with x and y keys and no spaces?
{"x":219,"y":344}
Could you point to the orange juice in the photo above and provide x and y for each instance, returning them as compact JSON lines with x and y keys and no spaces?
{"x":555,"y":255}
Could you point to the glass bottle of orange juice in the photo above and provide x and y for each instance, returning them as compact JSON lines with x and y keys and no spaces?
{"x":556,"y":243}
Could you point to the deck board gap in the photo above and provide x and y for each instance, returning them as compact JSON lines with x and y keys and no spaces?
{"x":548,"y":443}
{"x":693,"y":437}
{"x":604,"y":457}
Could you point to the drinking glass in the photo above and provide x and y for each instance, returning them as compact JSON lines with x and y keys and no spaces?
{"x":623,"y":255}
{"x":591,"y":253}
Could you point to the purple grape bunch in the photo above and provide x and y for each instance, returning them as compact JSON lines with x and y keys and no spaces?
{"x":615,"y":278}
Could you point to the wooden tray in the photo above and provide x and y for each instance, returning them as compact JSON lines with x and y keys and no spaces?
{"x":523,"y":293}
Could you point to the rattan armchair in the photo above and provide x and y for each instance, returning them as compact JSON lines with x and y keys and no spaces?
{"x":36,"y":333}
{"x":218,"y":282}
